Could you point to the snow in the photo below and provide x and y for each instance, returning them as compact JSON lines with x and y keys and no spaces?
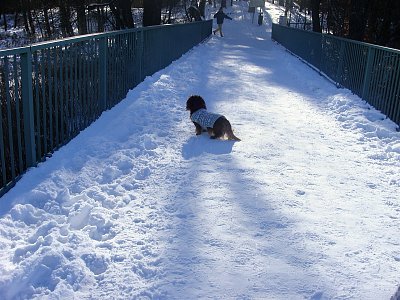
{"x":306,"y":206}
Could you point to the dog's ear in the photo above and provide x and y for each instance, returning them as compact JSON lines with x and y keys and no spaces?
{"x":203,"y":103}
{"x":195,"y":102}
{"x":189,"y":103}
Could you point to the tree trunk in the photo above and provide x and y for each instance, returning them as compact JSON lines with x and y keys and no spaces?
{"x":357,"y":21}
{"x":30,"y":19}
{"x":100,"y":19}
{"x":202,"y":8}
{"x":126,"y":13}
{"x":5,"y":22}
{"x":81,"y":17}
{"x":315,"y":15}
{"x":152,"y":12}
{"x":65,"y":16}
{"x":26,"y":24}
{"x":117,"y":16}
{"x":46,"y":22}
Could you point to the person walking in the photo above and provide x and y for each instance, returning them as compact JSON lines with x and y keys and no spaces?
{"x":220,"y":16}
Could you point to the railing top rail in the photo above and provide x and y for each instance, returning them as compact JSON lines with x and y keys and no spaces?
{"x":81,"y":38}
{"x":343,"y":39}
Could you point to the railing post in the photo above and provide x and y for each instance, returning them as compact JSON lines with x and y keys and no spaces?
{"x":367,"y":75}
{"x":103,"y":73}
{"x":141,"y":57}
{"x":27,"y":107}
{"x":340,"y":65}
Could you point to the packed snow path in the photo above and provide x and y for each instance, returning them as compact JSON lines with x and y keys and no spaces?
{"x":306,"y":206}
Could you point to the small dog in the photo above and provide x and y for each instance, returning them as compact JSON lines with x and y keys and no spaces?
{"x":216,"y":125}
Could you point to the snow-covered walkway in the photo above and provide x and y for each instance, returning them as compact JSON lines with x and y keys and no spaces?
{"x":306,"y":206}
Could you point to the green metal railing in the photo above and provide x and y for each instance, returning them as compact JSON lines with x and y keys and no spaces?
{"x":49,"y":92}
{"x":369,"y":71}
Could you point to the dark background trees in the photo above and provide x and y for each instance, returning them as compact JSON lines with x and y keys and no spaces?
{"x":42,"y":20}
{"x":372,"y":21}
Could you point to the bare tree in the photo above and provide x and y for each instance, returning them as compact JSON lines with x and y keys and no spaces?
{"x":122,"y":11}
{"x":81,"y":16}
{"x":315,"y":5}
{"x":152,"y":12}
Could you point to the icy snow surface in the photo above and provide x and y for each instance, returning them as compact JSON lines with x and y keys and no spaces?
{"x":306,"y":206}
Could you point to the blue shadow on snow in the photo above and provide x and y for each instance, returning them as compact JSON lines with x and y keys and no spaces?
{"x":198,"y":145}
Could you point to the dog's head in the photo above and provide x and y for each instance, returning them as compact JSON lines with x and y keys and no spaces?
{"x":195,"y":103}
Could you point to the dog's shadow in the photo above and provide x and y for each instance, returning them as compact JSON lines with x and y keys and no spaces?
{"x":197,"y":145}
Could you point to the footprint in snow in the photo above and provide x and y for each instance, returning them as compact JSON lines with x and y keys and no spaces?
{"x":143,"y":174}
{"x":96,"y":264}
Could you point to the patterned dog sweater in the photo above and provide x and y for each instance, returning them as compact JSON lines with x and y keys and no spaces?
{"x":204,"y":118}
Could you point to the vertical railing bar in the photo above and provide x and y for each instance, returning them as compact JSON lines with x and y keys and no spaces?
{"x":9,"y":116}
{"x":351,"y":63}
{"x":44,"y":112}
{"x":127,"y":61}
{"x":360,"y":69}
{"x":111,"y":66}
{"x":353,"y":52}
{"x":75,"y":99}
{"x":396,"y":94}
{"x":18,"y":116}
{"x":27,"y":108}
{"x":50,"y":105}
{"x":115,"y":71}
{"x":354,"y":63}
{"x":389,"y":86}
{"x":2,"y":147}
{"x":368,"y":74}
{"x":85,"y":73}
{"x":37,"y":107}
{"x":141,"y":55}
{"x":93,"y":46}
{"x":72,"y":100}
{"x":78,"y":85}
{"x":117,"y":83}
{"x":132,"y":48}
{"x":61,"y":93}
{"x":110,"y":70}
{"x":373,"y":86}
{"x":89,"y":62}
{"x":92,"y":81}
{"x":68,"y":102}
{"x":382,"y":86}
{"x":124,"y":64}
{"x":103,"y":72}
{"x":78,"y":99}
{"x":97,"y":108}
{"x":95,"y":78}
{"x":56,"y":66}
{"x":396,"y":76}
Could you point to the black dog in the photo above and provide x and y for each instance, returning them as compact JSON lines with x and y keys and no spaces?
{"x":216,"y":125}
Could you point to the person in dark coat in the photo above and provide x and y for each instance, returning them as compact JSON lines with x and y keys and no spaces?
{"x":220,"y":16}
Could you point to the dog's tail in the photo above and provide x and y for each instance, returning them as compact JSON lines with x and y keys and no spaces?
{"x":232,"y":136}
